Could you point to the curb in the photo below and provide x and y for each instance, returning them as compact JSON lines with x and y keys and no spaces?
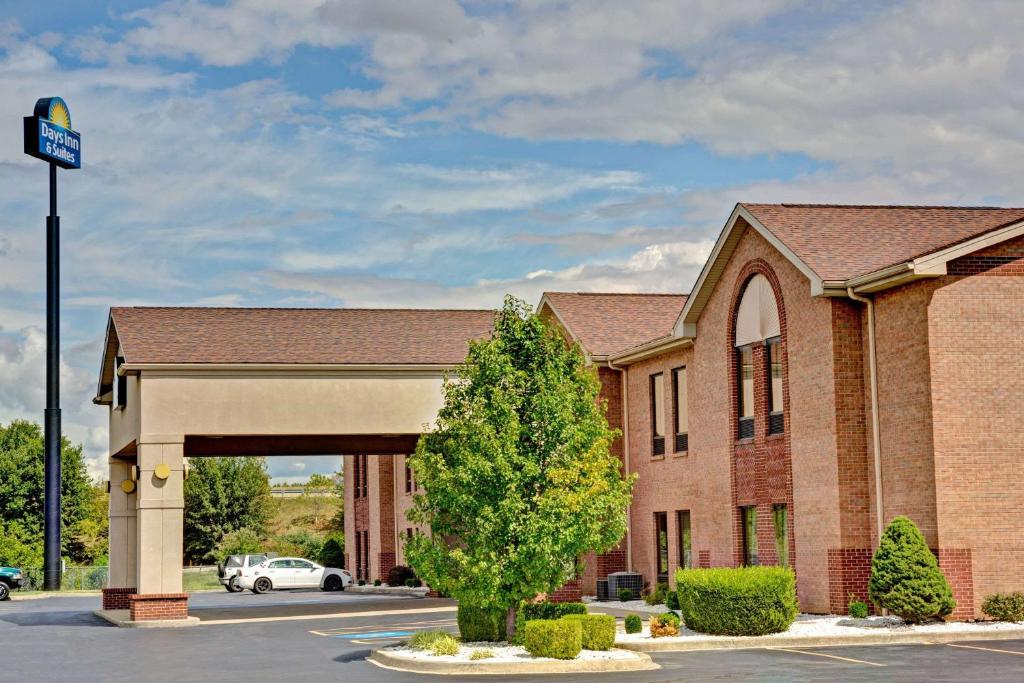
{"x":388,"y":590}
{"x":759,"y":642}
{"x":122,"y":619}
{"x":54,"y":594}
{"x":387,"y":660}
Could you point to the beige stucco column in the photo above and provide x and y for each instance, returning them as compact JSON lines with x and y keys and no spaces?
{"x":123,"y":533}
{"x":160,"y":508}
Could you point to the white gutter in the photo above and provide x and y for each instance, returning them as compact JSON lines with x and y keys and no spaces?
{"x":625,"y":459}
{"x":876,"y":437}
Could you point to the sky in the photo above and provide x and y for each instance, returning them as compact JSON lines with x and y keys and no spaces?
{"x":434,"y":153}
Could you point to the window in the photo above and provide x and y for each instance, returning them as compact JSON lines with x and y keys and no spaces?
{"x":408,"y":476}
{"x":120,"y":384}
{"x":301,"y":564}
{"x":408,"y":532}
{"x":280,"y":564}
{"x":661,"y":539}
{"x":748,"y":520}
{"x":685,"y":539}
{"x":773,"y":355}
{"x":658,"y":414}
{"x":780,"y":520}
{"x":681,"y":410}
{"x":745,"y":390}
{"x":360,"y":486}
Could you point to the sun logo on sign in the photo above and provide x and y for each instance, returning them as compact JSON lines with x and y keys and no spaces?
{"x":59,"y":113}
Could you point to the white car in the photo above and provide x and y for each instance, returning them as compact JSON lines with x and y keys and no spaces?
{"x":292,"y":572}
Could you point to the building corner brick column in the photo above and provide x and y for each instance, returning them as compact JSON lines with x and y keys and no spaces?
{"x":117,"y":598}
{"x":849,"y":570}
{"x":957,"y":565}
{"x":158,"y":606}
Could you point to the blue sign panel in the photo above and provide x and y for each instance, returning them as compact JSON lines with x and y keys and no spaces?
{"x":48,"y":134}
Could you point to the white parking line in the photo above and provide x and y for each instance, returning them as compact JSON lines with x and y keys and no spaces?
{"x":341,"y":615}
{"x":822,"y":654}
{"x":988,"y":649}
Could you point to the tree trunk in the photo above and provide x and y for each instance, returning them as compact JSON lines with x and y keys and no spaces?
{"x":510,"y":624}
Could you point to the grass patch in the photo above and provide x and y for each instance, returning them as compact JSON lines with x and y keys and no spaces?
{"x":199,"y":581}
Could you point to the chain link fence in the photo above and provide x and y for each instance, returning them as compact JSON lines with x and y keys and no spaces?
{"x":73,"y":579}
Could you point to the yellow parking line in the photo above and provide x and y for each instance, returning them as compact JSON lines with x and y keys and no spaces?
{"x":822,"y":654}
{"x":989,"y":649}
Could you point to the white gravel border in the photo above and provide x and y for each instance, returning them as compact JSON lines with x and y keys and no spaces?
{"x":629,"y":606}
{"x":504,"y":654}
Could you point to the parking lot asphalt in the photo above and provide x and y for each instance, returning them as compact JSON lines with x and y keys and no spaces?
{"x":60,"y":639}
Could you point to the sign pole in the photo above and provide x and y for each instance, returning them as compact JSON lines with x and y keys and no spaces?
{"x":52,"y":433}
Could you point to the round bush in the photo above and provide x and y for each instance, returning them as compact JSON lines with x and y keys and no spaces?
{"x":625,"y":595}
{"x":598,"y":630}
{"x":746,"y":601}
{"x":400,"y":574}
{"x":1004,"y":606}
{"x":445,"y":645}
{"x":661,"y":626}
{"x":481,"y":624}
{"x":905,"y":576}
{"x":543,"y":610}
{"x":858,"y":609}
{"x":557,"y":639}
{"x":634,"y":624}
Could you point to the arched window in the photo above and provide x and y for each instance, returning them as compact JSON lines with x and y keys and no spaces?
{"x":757,"y":321}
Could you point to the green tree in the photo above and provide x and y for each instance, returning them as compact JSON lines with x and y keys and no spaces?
{"x":518,"y":478}
{"x":238,"y":542}
{"x":224,"y":495}
{"x":905,"y":577}
{"x":317,"y":490}
{"x":89,"y":536}
{"x":21,"y":487}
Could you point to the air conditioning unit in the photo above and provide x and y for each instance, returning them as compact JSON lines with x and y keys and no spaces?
{"x":602,"y":590}
{"x":634,"y":581}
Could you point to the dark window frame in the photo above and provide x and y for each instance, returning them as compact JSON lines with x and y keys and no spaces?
{"x":661,"y":556}
{"x":657,"y":440}
{"x":750,"y":557}
{"x":122,"y":383}
{"x":408,"y":475}
{"x":685,"y":540}
{"x":776,"y":418}
{"x":781,"y":541}
{"x":682,"y":439}
{"x":744,"y":423}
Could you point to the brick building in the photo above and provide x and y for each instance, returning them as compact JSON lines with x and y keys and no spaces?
{"x":832,"y":367}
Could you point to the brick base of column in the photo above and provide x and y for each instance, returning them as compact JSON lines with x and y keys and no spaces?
{"x":849,"y":570}
{"x":117,"y":598}
{"x":159,"y":606}
{"x":572,"y":591}
{"x":957,"y":565}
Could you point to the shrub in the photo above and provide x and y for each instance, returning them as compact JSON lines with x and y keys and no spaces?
{"x":662,"y":626}
{"x":625,"y":595}
{"x":672,"y":600}
{"x":858,"y":609}
{"x":424,"y":640}
{"x":413,"y":582}
{"x":362,"y":582}
{"x":658,"y":595}
{"x":747,"y":601}
{"x":481,"y":624}
{"x":633,"y":624}
{"x":376,"y":582}
{"x":400,"y":574}
{"x":598,"y":630}
{"x":445,"y":645}
{"x":905,"y":577}
{"x":670,"y":617}
{"x":1004,"y":606}
{"x":543,"y":610}
{"x":555,"y":638}
{"x":333,"y":552}
{"x":481,"y":654}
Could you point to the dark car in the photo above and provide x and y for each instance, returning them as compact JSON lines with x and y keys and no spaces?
{"x":10,"y":577}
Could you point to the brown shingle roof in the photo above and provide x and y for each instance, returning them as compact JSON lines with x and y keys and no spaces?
{"x":605,"y":323}
{"x":840,"y":242}
{"x":298,"y":335}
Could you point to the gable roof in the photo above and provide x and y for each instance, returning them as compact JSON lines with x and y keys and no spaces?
{"x":604,"y":323}
{"x":861,"y":246}
{"x":290,"y":336}
{"x":840,"y":242}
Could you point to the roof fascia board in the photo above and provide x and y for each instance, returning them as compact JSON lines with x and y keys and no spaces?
{"x":651,"y":348}
{"x":687,"y":320}
{"x":103,"y":357}
{"x":935,"y":263}
{"x":364,"y":369}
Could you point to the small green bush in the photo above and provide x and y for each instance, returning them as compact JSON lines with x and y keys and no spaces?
{"x":670,"y":618}
{"x":481,"y":624}
{"x":400,"y":574}
{"x":625,"y":595}
{"x":554,"y":638}
{"x":543,"y":610}
{"x":445,"y":645}
{"x":362,"y":582}
{"x":1004,"y":606}
{"x":634,"y":624}
{"x":376,"y":582}
{"x":414,"y":582}
{"x":481,"y":654}
{"x":598,"y":630}
{"x":858,"y":609}
{"x":333,"y":552}
{"x":661,"y":626}
{"x":905,"y":576}
{"x":658,"y":595}
{"x":746,"y":601}
{"x":672,"y":600}
{"x":424,"y":640}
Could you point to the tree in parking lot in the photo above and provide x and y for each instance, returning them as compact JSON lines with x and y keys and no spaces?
{"x":518,"y":479}
{"x":223,"y":495}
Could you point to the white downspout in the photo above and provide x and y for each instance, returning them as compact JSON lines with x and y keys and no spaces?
{"x":625,"y":459}
{"x":876,"y":437}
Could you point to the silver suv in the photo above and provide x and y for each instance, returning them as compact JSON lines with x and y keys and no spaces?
{"x":229,"y":572}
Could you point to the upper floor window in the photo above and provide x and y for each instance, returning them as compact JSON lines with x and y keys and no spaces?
{"x":120,"y":384}
{"x":757,"y":320}
{"x":773,"y":353}
{"x":408,"y":476}
{"x":682,"y":411}
{"x":745,"y":388}
{"x":658,"y":413}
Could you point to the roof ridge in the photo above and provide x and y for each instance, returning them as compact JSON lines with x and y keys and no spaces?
{"x":621,"y":293}
{"x":886,"y":206}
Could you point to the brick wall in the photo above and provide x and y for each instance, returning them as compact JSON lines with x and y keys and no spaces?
{"x":570,"y":592}
{"x":117,"y":598}
{"x":382,"y":547}
{"x":158,"y":606}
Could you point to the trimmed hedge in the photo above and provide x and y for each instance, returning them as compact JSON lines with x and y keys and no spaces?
{"x":1004,"y":606}
{"x":746,"y":601}
{"x":634,"y":624}
{"x":598,"y":630}
{"x":554,"y":638}
{"x":399,"y":575}
{"x":905,"y":576}
{"x":543,"y":610}
{"x":481,"y":624}
{"x":625,"y":595}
